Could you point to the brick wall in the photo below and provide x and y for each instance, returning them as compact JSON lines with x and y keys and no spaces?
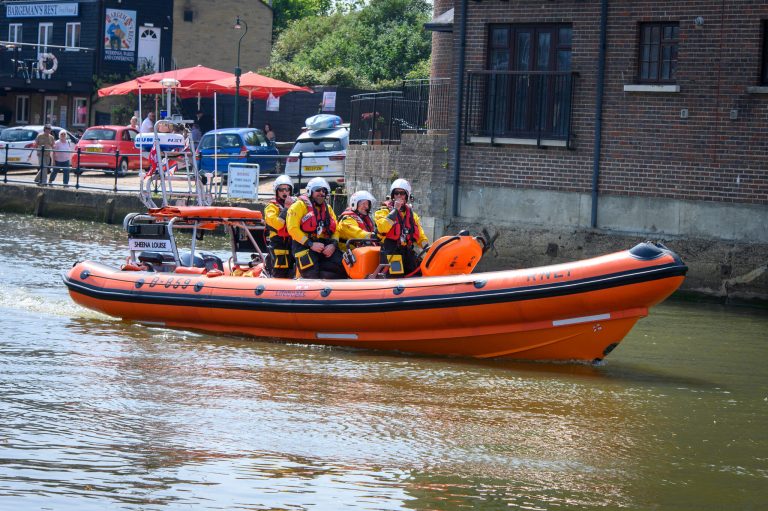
{"x":647,"y":150}
{"x":210,"y":40}
{"x":421,"y":159}
{"x":442,"y":51}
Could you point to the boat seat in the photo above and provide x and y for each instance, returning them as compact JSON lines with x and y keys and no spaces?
{"x":157,"y":261}
{"x":361,"y":262}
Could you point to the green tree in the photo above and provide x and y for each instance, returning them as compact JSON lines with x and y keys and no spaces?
{"x":286,"y":11}
{"x":373,"y":45}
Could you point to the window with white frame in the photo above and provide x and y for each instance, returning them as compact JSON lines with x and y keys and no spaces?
{"x":14,"y":32}
{"x":22,"y":109}
{"x":44,"y":37}
{"x":49,"y":110}
{"x":73,"y":36}
{"x":79,"y":111}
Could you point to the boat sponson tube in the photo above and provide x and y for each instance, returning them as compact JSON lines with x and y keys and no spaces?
{"x":649,"y":250}
{"x":161,"y":295}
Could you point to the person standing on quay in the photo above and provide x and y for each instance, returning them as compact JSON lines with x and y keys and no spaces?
{"x":62,"y":154}
{"x":44,"y":143}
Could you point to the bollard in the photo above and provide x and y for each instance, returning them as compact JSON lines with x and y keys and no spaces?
{"x":77,"y":170}
{"x":117,"y":166}
{"x":5,"y":166}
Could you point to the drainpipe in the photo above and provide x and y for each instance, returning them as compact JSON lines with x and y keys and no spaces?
{"x":459,"y":105}
{"x":599,"y":109}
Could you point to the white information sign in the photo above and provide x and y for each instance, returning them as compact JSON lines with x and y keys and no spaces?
{"x":242,"y":180}
{"x":273,"y":103}
{"x":155,"y":245}
{"x":329,"y":101}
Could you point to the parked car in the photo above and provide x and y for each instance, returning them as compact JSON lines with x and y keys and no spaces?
{"x":18,"y":143}
{"x":322,"y":153}
{"x":98,"y":147}
{"x":236,"y":145}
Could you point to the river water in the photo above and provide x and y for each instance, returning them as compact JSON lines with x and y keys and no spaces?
{"x":101,"y":414}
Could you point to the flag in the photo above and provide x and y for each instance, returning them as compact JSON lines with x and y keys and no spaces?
{"x":152,"y":161}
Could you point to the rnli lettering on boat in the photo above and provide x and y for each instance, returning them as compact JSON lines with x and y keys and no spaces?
{"x":548,"y":276}
{"x":148,"y":244}
{"x":290,"y":294}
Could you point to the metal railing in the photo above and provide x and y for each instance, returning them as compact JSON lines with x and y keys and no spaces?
{"x":382,"y":117}
{"x":83,"y":177}
{"x":532,"y":105}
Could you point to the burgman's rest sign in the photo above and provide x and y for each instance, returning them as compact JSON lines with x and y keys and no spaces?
{"x":40,"y":10}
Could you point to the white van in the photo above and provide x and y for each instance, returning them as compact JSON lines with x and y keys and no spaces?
{"x":321,"y":153}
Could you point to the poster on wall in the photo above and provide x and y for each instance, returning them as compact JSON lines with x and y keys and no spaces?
{"x":273,"y":103}
{"x":329,"y":101}
{"x":120,"y":35}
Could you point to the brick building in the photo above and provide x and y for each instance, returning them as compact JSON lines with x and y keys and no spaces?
{"x":684,"y":111}
{"x":51,"y":51}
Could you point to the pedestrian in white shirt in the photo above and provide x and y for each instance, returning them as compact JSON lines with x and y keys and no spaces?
{"x":148,"y":124}
{"x":62,"y":155}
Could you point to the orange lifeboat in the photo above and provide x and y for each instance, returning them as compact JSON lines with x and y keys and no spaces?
{"x":572,"y":311}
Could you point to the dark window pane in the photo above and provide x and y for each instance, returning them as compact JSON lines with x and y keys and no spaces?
{"x":523,"y":62}
{"x":500,"y":37}
{"x":542,"y":57}
{"x":566,"y":33}
{"x":564,"y":60}
{"x":500,"y":60}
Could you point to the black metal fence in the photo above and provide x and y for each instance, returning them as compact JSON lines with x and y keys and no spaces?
{"x":382,"y":117}
{"x":533,"y":105}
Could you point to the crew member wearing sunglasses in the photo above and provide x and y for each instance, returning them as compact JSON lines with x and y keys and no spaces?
{"x":280,"y":261}
{"x":312,"y":226}
{"x":400,"y":231}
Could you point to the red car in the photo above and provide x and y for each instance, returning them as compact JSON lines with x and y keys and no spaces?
{"x":99,"y":144}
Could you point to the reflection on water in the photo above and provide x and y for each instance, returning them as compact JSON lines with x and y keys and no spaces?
{"x":103,"y":414}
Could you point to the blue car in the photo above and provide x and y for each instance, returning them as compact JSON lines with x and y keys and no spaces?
{"x":236,"y":145}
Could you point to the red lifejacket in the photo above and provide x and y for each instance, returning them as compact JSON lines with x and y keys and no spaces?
{"x":364,"y":222}
{"x":318,"y":220}
{"x":283,"y":231}
{"x":405,"y":229}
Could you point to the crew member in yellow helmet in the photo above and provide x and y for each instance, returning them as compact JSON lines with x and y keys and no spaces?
{"x":356,"y":222}
{"x":280,"y":262}
{"x":399,"y":229}
{"x":312,"y":226}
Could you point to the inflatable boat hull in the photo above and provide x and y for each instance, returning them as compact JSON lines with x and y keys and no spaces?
{"x":574,"y":311}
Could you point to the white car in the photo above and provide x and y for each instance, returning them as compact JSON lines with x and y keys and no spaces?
{"x":18,"y":144}
{"x":322,"y":153}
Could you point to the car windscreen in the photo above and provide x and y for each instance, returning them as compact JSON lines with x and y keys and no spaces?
{"x":319,"y":145}
{"x":225,"y":140}
{"x":18,"y":135}
{"x":99,"y":134}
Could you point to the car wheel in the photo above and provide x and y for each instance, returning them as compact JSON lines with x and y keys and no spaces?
{"x":123,"y":168}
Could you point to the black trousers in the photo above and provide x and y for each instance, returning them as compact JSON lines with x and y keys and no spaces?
{"x":314,"y":265}
{"x":401,"y":259}
{"x":280,"y":261}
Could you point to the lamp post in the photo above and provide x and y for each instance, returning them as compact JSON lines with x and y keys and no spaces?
{"x":238,"y":71}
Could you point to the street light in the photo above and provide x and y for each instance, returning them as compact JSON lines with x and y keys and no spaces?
{"x":238,"y":71}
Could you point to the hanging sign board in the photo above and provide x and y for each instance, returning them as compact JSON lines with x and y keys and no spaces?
{"x":329,"y":101}
{"x":273,"y":103}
